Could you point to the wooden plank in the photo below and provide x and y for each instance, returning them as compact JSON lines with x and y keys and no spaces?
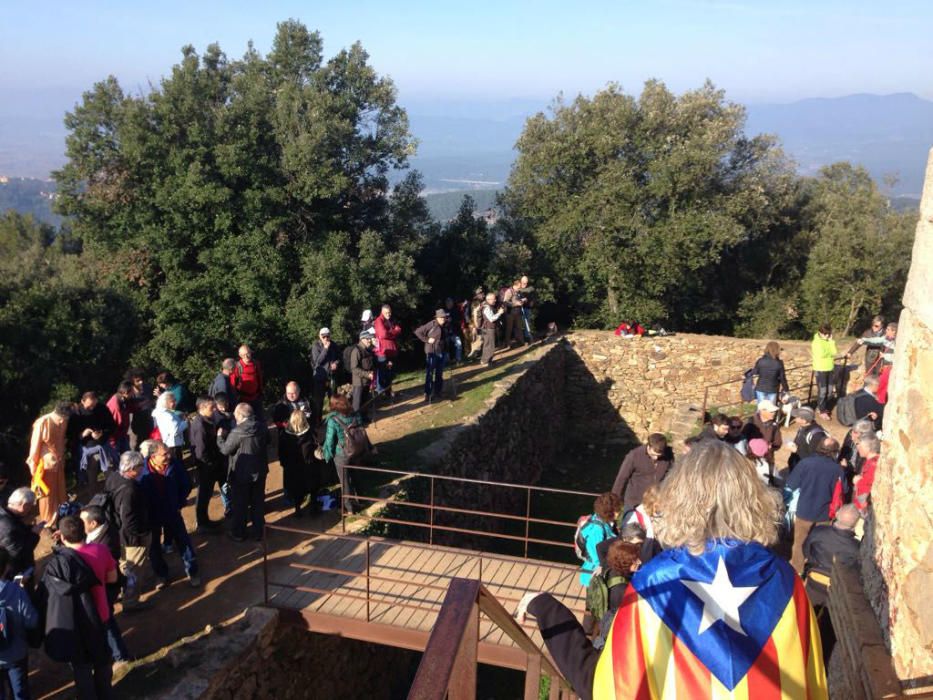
{"x":330,"y":552}
{"x":417,"y":561}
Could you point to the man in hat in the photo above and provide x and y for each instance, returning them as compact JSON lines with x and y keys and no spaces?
{"x":434,"y":336}
{"x":476,"y":323}
{"x":362,"y":368}
{"x":325,"y":359}
{"x":809,"y":434}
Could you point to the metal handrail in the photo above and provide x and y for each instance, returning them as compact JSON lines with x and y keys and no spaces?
{"x":448,"y":666}
{"x":787,"y":370}
{"x":482,"y":482}
{"x":433,"y":507}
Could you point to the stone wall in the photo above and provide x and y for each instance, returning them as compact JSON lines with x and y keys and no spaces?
{"x":898,"y":549}
{"x":652,"y":382}
{"x":258,"y":657}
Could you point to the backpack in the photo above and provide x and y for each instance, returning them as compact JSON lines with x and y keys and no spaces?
{"x":356,"y":444}
{"x":104,"y":501}
{"x":597,"y":593}
{"x":502,"y":293}
{"x":579,"y":543}
{"x":845,"y":410}
{"x":748,"y":385}
{"x":348,"y":358}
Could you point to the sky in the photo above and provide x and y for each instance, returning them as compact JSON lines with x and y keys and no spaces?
{"x":445,"y":52}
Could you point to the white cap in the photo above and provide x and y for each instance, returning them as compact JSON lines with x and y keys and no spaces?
{"x":324,"y":331}
{"x":767,"y":405}
{"x":367,"y":315}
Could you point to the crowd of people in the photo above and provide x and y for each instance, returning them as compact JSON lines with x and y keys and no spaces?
{"x":669,"y":556}
{"x":130,"y":457}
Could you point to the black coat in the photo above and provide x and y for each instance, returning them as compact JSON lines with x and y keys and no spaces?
{"x":74,"y":632}
{"x":203,"y":436}
{"x":245,"y":445}
{"x":19,"y":540}
{"x":771,"y":375}
{"x":132,"y":509}
{"x":98,"y":418}
{"x":321,"y":357}
{"x":865,"y":403}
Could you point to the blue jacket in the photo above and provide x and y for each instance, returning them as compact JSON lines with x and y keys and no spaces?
{"x":20,"y":615}
{"x":594,"y":532}
{"x":165,"y":504}
{"x":816,"y":477}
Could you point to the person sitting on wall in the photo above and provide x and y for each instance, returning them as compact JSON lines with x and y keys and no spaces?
{"x":827,"y":543}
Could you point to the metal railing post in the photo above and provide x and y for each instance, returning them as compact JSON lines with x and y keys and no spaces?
{"x":527,"y":517}
{"x":705,"y":402}
{"x":431,"y":514}
{"x":367,"y":580}
{"x":265,"y":568}
{"x":810,"y":388}
{"x":343,"y":513}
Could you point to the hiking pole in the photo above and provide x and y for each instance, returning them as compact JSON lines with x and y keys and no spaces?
{"x":527,"y":325}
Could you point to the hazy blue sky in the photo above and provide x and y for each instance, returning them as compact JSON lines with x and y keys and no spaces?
{"x":758,"y":50}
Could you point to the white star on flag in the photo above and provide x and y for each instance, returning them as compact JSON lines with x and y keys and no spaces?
{"x":721,"y":600}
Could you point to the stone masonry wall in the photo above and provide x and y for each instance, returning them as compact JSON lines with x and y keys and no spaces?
{"x":651,"y":382}
{"x":898,"y":558}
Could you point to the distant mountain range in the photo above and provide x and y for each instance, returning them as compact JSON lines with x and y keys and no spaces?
{"x":469,"y":145}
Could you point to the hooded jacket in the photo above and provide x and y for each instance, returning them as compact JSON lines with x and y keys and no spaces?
{"x":245,"y":445}
{"x":824,"y":352}
{"x":74,"y":632}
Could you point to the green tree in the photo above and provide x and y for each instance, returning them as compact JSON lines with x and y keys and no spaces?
{"x":860,"y":253}
{"x":251,"y":196}
{"x":637,"y":202}
{"x":61,"y":324}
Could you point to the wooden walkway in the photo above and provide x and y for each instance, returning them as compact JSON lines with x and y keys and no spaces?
{"x":325,"y":582}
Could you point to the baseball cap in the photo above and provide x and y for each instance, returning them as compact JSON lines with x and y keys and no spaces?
{"x":324,"y":331}
{"x":367,"y":334}
{"x":803,"y":412}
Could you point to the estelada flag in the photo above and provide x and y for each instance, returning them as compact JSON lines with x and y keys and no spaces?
{"x":733,"y":622}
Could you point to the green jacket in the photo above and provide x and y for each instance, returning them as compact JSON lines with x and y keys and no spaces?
{"x":823,"y":353}
{"x":333,"y":440}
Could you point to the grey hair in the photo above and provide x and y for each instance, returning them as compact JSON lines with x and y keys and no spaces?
{"x":865,"y":426}
{"x":872,"y":443}
{"x":130,"y":461}
{"x":242,"y":411}
{"x":872,"y":381}
{"x":23,"y":494}
{"x":229,"y":363}
{"x":847,"y":516}
{"x":714,"y":493}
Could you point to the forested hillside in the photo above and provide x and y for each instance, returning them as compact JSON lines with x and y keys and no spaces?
{"x":249,"y":200}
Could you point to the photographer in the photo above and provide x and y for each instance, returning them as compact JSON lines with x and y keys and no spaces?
{"x":19,"y":533}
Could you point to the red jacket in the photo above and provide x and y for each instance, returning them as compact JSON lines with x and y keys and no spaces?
{"x":883,"y":384}
{"x":863,"y":487}
{"x":387,"y":333}
{"x":120,"y":411}
{"x":247,"y":379}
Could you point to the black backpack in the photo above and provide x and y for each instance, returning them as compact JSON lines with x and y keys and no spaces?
{"x":348,"y":358}
{"x":845,"y":410}
{"x":104,"y":501}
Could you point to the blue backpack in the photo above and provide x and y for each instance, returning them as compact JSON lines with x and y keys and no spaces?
{"x":748,"y":385}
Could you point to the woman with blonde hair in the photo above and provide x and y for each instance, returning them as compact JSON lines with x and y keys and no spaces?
{"x":716,"y":612}
{"x":300,"y":469}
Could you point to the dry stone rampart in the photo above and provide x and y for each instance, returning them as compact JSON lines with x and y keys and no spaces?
{"x":898,"y":551}
{"x":654,"y":382}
